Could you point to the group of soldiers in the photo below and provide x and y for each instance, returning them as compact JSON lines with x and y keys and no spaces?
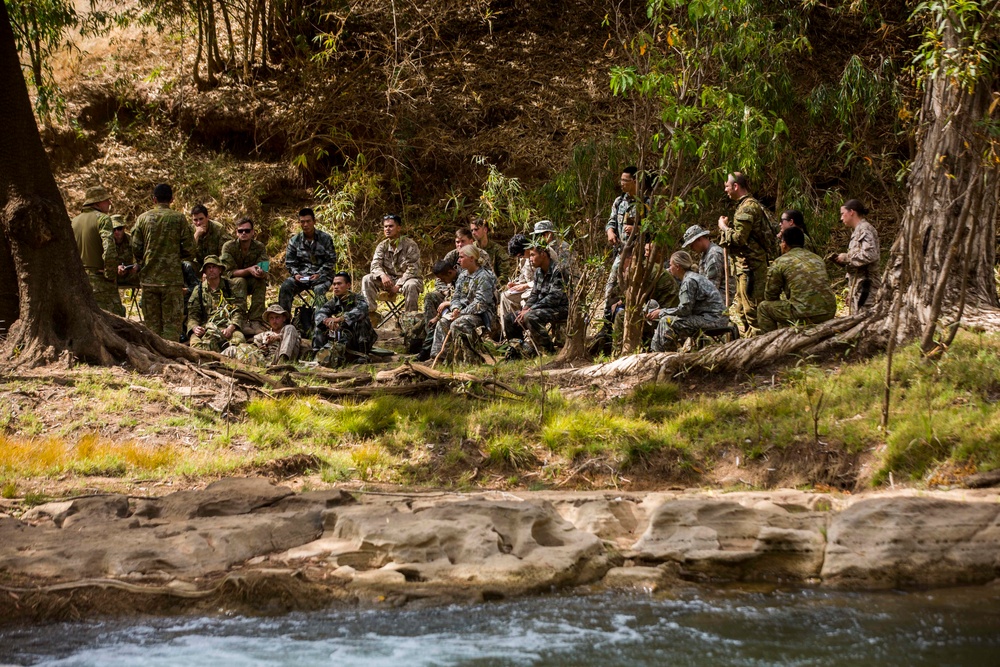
{"x":202,"y":286}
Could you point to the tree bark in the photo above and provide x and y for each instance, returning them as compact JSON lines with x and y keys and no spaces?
{"x":55,"y":311}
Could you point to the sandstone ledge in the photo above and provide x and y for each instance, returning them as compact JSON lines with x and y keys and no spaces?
{"x":248,"y":545}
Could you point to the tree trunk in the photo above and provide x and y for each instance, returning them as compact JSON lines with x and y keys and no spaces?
{"x":55,"y":310}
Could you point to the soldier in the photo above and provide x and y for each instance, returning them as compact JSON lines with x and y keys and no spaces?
{"x":862,"y":257}
{"x":92,"y":230}
{"x":622,"y":216}
{"x":278,"y":345}
{"x":395,"y":267}
{"x":310,"y":260}
{"x":445,"y":274}
{"x":712,"y":263}
{"x":215,"y":310}
{"x":123,"y":269}
{"x":342,"y":325}
{"x":798,"y":287}
{"x":519,"y":287}
{"x":162,"y":239}
{"x":247,"y":264}
{"x":663,"y":295}
{"x":699,"y":306}
{"x":498,"y":261}
{"x":209,"y":237}
{"x":751,"y":244}
{"x":547,"y":304}
{"x":794,"y":218}
{"x":473,"y":304}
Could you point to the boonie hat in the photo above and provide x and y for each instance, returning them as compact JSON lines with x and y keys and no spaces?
{"x":692,"y":234}
{"x":275,"y":309}
{"x":96,"y":195}
{"x":117,"y":221}
{"x":212,"y":260}
{"x":543,"y":226}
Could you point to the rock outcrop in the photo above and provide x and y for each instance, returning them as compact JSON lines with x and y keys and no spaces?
{"x":332,"y":544}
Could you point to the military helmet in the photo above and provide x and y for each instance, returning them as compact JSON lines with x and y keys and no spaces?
{"x":96,"y":195}
{"x":692,"y":234}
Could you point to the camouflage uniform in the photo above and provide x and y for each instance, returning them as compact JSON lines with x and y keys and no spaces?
{"x":664,"y":295}
{"x":209,"y":244}
{"x":306,"y":258}
{"x":92,"y":230}
{"x":234,"y":258}
{"x":863,"y":278}
{"x":699,"y":307}
{"x":547,"y":304}
{"x":512,"y":302}
{"x":215,"y":310}
{"x":475,"y":301}
{"x":399,"y":261}
{"x":162,"y":238}
{"x":801,"y":277}
{"x":124,"y":256}
{"x":810,"y":245}
{"x":622,"y":213}
{"x":355,"y":333}
{"x":750,"y":241}
{"x":497,"y":260}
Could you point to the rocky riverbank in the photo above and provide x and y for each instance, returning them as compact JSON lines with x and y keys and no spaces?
{"x":249,"y":546}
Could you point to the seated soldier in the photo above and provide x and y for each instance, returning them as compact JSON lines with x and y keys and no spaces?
{"x":699,"y":307}
{"x":798,"y":287}
{"x":215,"y":310}
{"x":498,"y":259}
{"x":209,"y":237}
{"x":442,"y":291}
{"x":662,"y":295}
{"x":395,"y":268}
{"x":547,"y":304}
{"x":342,"y":325}
{"x":445,"y":275}
{"x":310,"y":260}
{"x":278,"y":345}
{"x":794,"y":218}
{"x":246,"y":261}
{"x":473,"y":304}
{"x":712,"y":262}
{"x":519,"y":288}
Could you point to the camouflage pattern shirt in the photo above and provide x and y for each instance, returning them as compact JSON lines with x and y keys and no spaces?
{"x":696,"y":296}
{"x":400,"y":260}
{"x":499,"y":260}
{"x":622,"y":213}
{"x":211,"y":242}
{"x":305,"y":257}
{"x":549,"y":290}
{"x":234,"y":258}
{"x":161,"y":239}
{"x":863,"y":253}
{"x":475,"y":294}
{"x":124,"y":256}
{"x":749,"y":238}
{"x":354,"y":309}
{"x":801,"y":277}
{"x":713,"y":266}
{"x":222,"y":306}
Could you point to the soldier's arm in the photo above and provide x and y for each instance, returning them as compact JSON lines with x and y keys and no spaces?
{"x":292,"y":258}
{"x":139,"y":242}
{"x":356,"y":314}
{"x":109,"y":251}
{"x":411,"y":262}
{"x":188,"y":249}
{"x":775,"y":284}
{"x":739,"y":233}
{"x":613,"y":218}
{"x":196,"y":313}
{"x":685,"y":302}
{"x":229,"y":256}
{"x":238,"y":316}
{"x":377,"y":270}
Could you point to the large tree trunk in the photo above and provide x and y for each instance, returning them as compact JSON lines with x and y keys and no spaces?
{"x":55,"y":310}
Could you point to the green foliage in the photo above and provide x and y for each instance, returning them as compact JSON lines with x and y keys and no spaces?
{"x":959,"y":39}
{"x":503,"y":202}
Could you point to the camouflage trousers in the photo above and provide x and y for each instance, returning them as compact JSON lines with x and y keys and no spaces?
{"x":861,"y":292}
{"x":163,"y":310}
{"x":510,"y":304}
{"x":671,"y":331}
{"x":431,"y":302}
{"x":463,"y":326}
{"x":291,"y":287}
{"x":257,"y":289}
{"x":535,"y":324}
{"x":331,"y":350}
{"x":213,"y":340}
{"x":105,"y":293}
{"x":371,"y":287}
{"x":773,"y":315}
{"x":750,"y":285}
{"x":285,"y":344}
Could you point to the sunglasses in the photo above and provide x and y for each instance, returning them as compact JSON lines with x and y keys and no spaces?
{"x":244,"y":231}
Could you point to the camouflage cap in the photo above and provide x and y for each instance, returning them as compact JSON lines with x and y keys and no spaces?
{"x":212,"y":260}
{"x":117,"y":221}
{"x":96,"y":195}
{"x":692,"y":234}
{"x":542,"y":227}
{"x":275,"y":309}
{"x":682,"y":259}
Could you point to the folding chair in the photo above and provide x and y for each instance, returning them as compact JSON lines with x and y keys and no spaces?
{"x":395,"y":307}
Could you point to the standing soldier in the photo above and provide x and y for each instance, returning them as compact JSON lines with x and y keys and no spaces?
{"x":215,"y":310}
{"x":162,"y":239}
{"x":751,"y":243}
{"x":92,"y":230}
{"x":247,"y":263}
{"x":862,"y":256}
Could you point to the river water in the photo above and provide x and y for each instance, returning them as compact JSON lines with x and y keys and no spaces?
{"x":692,"y":627}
